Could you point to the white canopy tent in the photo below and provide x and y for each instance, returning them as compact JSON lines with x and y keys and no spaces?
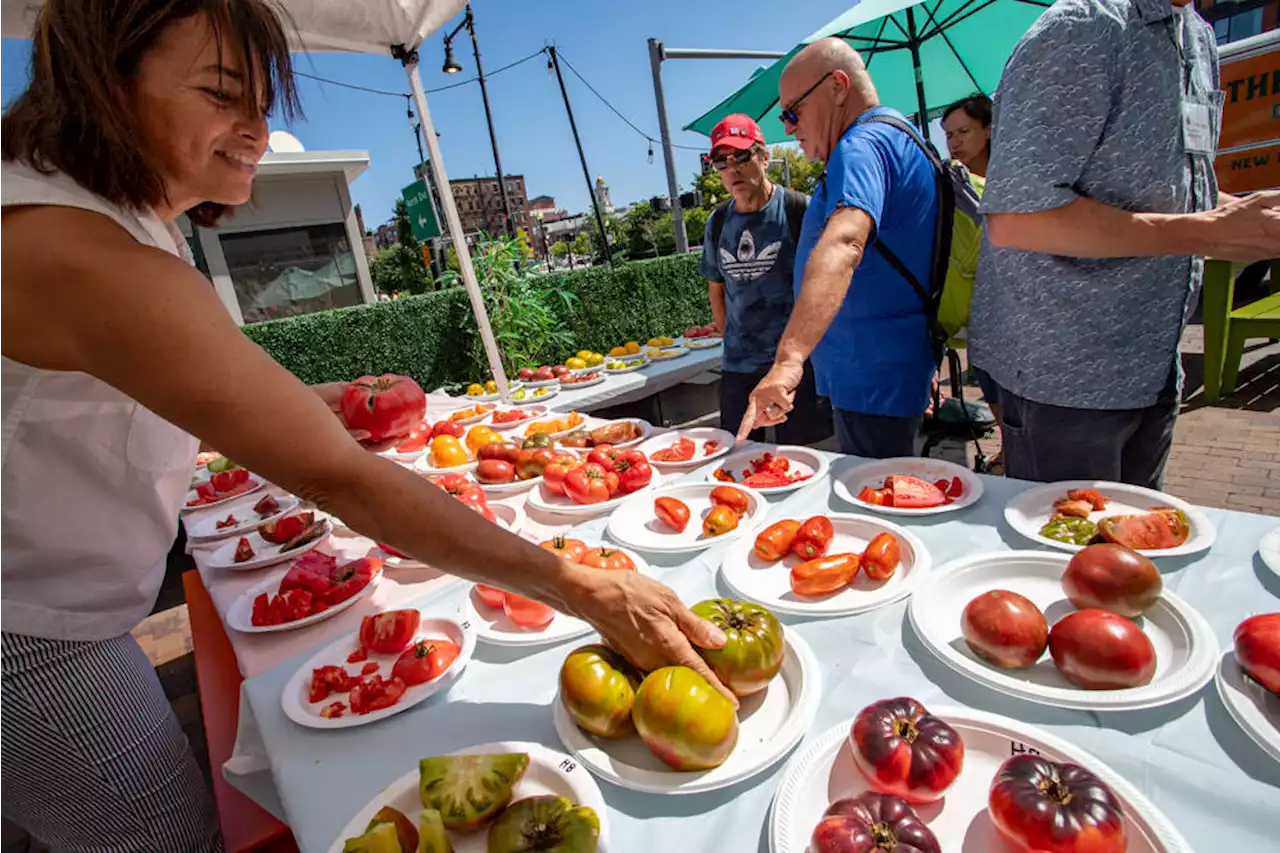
{"x":384,"y":27}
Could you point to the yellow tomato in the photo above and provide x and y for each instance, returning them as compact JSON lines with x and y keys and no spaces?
{"x":479,"y":436}
{"x":475,"y":389}
{"x":582,"y":354}
{"x":491,"y":387}
{"x":576,"y":363}
{"x":655,"y":342}
{"x":666,"y":342}
{"x":595,"y":360}
{"x":632,"y":348}
{"x":617,"y":351}
{"x":447,"y":452}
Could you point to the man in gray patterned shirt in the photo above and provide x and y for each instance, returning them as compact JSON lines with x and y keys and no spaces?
{"x":1101,"y":201}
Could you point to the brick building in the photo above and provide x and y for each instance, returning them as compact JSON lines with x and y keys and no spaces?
{"x":479,"y":204}
{"x":1233,"y":20}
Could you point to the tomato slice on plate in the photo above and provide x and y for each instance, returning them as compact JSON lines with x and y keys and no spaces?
{"x":914,"y":493}
{"x":390,"y":632}
{"x":491,"y":596}
{"x":375,"y":694}
{"x":526,"y":612}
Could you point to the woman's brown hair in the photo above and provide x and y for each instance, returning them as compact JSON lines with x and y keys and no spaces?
{"x":75,"y":116}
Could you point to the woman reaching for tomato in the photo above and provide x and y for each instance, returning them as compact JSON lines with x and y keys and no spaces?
{"x":118,"y":357}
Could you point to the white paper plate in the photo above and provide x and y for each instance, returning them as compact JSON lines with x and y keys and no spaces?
{"x":425,"y":466}
{"x":408,"y":457}
{"x":1255,"y":708}
{"x":554,"y":435}
{"x":646,"y":430}
{"x":1028,"y":511}
{"x":297,"y":707}
{"x":586,"y":383}
{"x":510,"y":517}
{"x":637,"y":365}
{"x":802,"y":459}
{"x":492,"y":626}
{"x":503,"y":489}
{"x":770,"y":583}
{"x":872,"y":474}
{"x":635,"y":523}
{"x":702,"y":343}
{"x":542,"y":383}
{"x":699,"y":436}
{"x":1269,"y":550}
{"x":826,"y":772}
{"x":535,"y":412}
{"x":770,"y":723}
{"x":191,"y":495}
{"x":550,"y":772}
{"x":240,"y":613}
{"x":206,"y":527}
{"x":544,"y":500}
{"x":1186,"y":651}
{"x":468,"y":421}
{"x":266,"y":553}
{"x":676,"y":351}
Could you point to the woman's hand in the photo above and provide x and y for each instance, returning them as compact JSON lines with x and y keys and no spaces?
{"x":643,"y":620}
{"x":331,"y":394}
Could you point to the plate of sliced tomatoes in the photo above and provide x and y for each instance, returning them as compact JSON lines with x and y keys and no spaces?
{"x":687,"y":517}
{"x":909,"y":485}
{"x":273,"y":542}
{"x":687,"y":447}
{"x":511,"y":417}
{"x":314,"y":588}
{"x":829,"y":564}
{"x":220,"y":488}
{"x":396,"y":660}
{"x":772,"y":469}
{"x":241,"y":517}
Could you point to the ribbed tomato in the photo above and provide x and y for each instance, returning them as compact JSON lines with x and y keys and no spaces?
{"x":873,"y":823}
{"x":753,"y":652}
{"x":387,"y":406}
{"x":904,"y":750}
{"x":685,"y":722}
{"x":571,"y":549}
{"x":1038,"y":804}
{"x":598,"y":688}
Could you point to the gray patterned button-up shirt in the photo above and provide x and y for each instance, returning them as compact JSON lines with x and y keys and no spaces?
{"x":1090,"y":105}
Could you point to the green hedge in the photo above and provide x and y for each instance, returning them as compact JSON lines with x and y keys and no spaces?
{"x":419,"y":336}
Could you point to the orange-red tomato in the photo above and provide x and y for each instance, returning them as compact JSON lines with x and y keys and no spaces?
{"x":719,"y":521}
{"x":672,"y":513}
{"x":814,"y":538}
{"x":881,"y":557}
{"x":774,"y":542}
{"x":605,"y":557}
{"x":734,"y":499}
{"x":491,"y":596}
{"x":571,"y":549}
{"x":824,"y":575}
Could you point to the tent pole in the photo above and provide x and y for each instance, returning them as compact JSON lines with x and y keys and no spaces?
{"x":668,"y":153}
{"x":922,"y":108}
{"x":586,"y":173}
{"x":410,"y":61}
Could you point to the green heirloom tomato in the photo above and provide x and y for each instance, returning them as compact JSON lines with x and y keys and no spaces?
{"x":753,"y":654}
{"x":545,"y":823}
{"x":1077,"y":531}
{"x":538,"y":439}
{"x":685,"y":722}
{"x":469,"y":790}
{"x":597,"y":688}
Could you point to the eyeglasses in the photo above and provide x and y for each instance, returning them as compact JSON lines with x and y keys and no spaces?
{"x":789,"y":114}
{"x":739,"y":157}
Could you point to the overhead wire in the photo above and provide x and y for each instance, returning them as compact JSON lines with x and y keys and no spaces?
{"x":373,"y":91}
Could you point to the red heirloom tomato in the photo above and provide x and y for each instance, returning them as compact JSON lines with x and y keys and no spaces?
{"x":590,"y":484}
{"x":1038,"y":804}
{"x":463,"y":490}
{"x":386,"y":406}
{"x":685,"y":722}
{"x":824,"y":575}
{"x":390,"y":632}
{"x":872,"y":823}
{"x":719,"y":521}
{"x":416,"y":440}
{"x":452,"y":428}
{"x":672,"y":513}
{"x":491,"y":596}
{"x":753,"y":651}
{"x":425,"y":660}
{"x":604,"y":455}
{"x":495,"y":471}
{"x":607,"y":558}
{"x":572,"y":550}
{"x":1005,"y":629}
{"x":557,"y":470}
{"x":598,"y":688}
{"x":774,"y":542}
{"x":881,"y":557}
{"x":1112,"y":577}
{"x":533,"y":462}
{"x":904,"y":750}
{"x":503,"y":451}
{"x":1257,"y":641}
{"x":814,"y":538}
{"x":526,"y":612}
{"x":1098,"y":650}
{"x":632,"y":468}
{"x":734,"y":499}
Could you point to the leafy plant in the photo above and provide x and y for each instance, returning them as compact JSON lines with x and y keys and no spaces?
{"x":399,"y":268}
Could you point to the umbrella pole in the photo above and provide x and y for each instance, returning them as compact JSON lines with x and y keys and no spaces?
{"x":410,"y":62}
{"x":668,"y":153}
{"x":913,"y":43}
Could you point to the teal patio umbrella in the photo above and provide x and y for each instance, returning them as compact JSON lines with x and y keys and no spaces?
{"x":922,"y":56}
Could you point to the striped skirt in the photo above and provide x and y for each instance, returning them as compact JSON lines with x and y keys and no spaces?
{"x":94,"y":759}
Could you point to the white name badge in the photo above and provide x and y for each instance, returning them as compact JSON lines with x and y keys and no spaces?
{"x":1197,"y":136}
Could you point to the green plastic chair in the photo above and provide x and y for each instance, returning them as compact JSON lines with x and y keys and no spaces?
{"x":1226,"y":330}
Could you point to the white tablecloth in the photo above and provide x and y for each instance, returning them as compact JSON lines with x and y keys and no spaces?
{"x":1189,"y":758}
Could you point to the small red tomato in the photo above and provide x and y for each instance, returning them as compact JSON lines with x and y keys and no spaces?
{"x":824,"y":575}
{"x":672,"y":513}
{"x":571,"y":549}
{"x":814,"y":538}
{"x":734,"y":499}
{"x":526,"y":612}
{"x":719,"y":521}
{"x":424,"y":661}
{"x":605,"y":557}
{"x":881,"y":558}
{"x":774,"y":542}
{"x":491,"y":596}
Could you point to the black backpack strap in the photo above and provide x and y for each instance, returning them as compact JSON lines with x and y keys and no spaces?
{"x":795,"y":203}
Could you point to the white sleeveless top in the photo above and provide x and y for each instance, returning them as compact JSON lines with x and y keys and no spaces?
{"x":91,"y":482}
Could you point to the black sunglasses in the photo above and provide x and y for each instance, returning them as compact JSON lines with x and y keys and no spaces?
{"x":722,"y":162}
{"x":788,"y":114}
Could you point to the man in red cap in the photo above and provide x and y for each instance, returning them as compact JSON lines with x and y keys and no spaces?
{"x":748,"y":256}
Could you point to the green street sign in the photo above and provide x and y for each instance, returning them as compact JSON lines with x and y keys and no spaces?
{"x":422,"y":213}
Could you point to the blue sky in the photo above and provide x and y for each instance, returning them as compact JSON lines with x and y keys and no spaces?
{"x":605,"y":41}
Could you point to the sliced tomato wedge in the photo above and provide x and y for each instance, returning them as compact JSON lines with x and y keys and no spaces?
{"x":914,"y":493}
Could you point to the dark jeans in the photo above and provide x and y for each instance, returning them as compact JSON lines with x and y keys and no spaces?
{"x":876,"y":436}
{"x":808,"y":423}
{"x":1046,"y":443}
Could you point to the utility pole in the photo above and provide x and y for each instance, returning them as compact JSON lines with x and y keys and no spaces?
{"x":586,"y":173}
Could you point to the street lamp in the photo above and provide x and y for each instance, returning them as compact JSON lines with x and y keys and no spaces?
{"x":451,"y":66}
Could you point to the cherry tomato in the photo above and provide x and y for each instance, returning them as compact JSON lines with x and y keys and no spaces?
{"x":774,"y":542}
{"x":572,"y":550}
{"x":526,"y":612}
{"x":719,"y":521}
{"x":813,"y":538}
{"x":424,"y":661}
{"x":390,"y":632}
{"x":605,"y":557}
{"x":824,"y":575}
{"x":881,"y":557}
{"x":491,"y":596}
{"x":672,"y":513}
{"x":734,"y":499}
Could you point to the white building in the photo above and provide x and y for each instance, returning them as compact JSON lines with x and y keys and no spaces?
{"x":295,"y":247}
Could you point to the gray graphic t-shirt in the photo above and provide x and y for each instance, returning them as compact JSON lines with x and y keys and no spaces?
{"x":754,"y":259}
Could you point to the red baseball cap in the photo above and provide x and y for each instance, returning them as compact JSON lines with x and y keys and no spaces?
{"x":736,"y":131}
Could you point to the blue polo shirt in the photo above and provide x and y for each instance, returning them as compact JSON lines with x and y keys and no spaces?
{"x":875,"y":358}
